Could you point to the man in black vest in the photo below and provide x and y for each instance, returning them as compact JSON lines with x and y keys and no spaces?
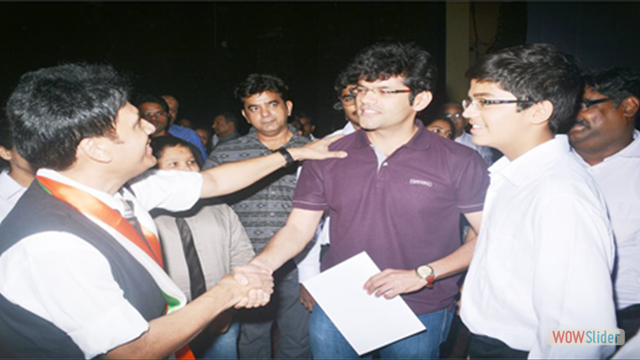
{"x":81,"y":268}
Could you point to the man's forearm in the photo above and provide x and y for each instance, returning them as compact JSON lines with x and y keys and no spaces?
{"x":281,"y":248}
{"x":169,"y":333}
{"x":231,"y":177}
{"x":455,"y":262}
{"x":228,"y":178}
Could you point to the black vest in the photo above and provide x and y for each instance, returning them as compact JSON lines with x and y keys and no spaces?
{"x":24,"y":334}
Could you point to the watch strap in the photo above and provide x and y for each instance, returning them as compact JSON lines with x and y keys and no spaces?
{"x":287,"y":156}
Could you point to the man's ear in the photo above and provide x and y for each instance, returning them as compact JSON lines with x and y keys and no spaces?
{"x":244,"y":115}
{"x":5,"y":154}
{"x":630,"y":106}
{"x":541,"y":112}
{"x":95,"y":149}
{"x":289,"y":107}
{"x":422,"y":100}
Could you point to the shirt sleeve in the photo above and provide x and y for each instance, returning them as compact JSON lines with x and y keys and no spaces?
{"x":471,"y":181}
{"x":66,"y":281}
{"x":572,"y":287}
{"x":310,"y":189}
{"x":170,"y":190}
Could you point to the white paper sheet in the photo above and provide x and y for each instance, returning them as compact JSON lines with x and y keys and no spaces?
{"x":366,"y":321}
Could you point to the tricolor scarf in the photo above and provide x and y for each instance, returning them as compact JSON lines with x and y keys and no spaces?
{"x":146,"y":251}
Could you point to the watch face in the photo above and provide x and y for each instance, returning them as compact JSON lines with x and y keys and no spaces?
{"x":424,"y":271}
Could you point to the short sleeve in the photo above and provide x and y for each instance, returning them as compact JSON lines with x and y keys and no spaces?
{"x":66,"y":281}
{"x":310,"y":190}
{"x":471,"y":181}
{"x":170,"y":190}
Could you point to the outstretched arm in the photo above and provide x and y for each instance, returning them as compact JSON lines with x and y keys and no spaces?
{"x":169,"y":333}
{"x":286,"y":243}
{"x":231,"y":177}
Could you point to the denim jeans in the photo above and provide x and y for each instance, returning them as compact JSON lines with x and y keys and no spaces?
{"x":223,"y":346}
{"x":328,"y":343}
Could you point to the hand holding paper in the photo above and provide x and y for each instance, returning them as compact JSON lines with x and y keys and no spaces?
{"x":367,"y":322}
{"x":393,"y":282}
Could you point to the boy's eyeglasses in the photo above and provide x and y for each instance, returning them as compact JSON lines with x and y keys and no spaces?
{"x":481,"y":103}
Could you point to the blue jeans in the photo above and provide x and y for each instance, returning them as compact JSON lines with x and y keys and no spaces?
{"x":328,"y":343}
{"x":223,"y":346}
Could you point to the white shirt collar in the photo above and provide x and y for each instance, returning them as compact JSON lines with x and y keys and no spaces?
{"x":113,"y":202}
{"x":8,"y":186}
{"x":528,"y":165}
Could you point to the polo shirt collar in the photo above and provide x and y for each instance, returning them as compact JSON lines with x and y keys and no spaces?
{"x":420,"y":140}
{"x":529,"y":165}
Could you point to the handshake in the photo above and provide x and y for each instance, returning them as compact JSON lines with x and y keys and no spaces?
{"x":251,"y":285}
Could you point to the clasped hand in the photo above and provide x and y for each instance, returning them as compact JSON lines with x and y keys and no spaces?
{"x":256,"y":283}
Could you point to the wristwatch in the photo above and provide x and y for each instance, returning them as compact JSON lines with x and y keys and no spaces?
{"x":426,"y":273}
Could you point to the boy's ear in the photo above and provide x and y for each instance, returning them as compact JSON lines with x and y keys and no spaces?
{"x":541,"y":112}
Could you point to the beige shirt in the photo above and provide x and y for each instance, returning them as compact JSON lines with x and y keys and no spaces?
{"x":220,"y":240}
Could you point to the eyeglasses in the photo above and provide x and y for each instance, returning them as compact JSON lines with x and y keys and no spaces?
{"x":454,"y":116}
{"x":586,"y":104}
{"x":481,"y":103}
{"x":347,"y":99}
{"x":382,"y":92}
{"x":149,"y":115}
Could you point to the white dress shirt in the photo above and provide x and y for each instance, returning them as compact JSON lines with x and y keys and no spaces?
{"x":65,"y":280}
{"x":619,"y":180}
{"x":485,"y":152}
{"x":10,"y":192}
{"x":544,"y":257}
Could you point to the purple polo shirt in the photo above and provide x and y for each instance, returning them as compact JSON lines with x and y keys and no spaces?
{"x":404,"y":215}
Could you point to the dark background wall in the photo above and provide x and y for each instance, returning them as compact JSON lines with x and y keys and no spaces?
{"x":200,"y":51}
{"x":599,"y":34}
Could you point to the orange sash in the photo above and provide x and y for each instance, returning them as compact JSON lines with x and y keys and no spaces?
{"x":88,"y":204}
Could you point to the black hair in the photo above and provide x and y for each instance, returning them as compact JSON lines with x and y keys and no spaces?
{"x":147,"y":98}
{"x":158,"y":144}
{"x":53,"y":109}
{"x":299,"y":115}
{"x":259,"y":83}
{"x":616,"y":83}
{"x":535,"y":73}
{"x":6,"y":140}
{"x":347,"y":77}
{"x":443,"y":117}
{"x":384,"y":60}
{"x":231,"y":117}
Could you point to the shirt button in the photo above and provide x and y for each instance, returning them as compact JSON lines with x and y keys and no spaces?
{"x":385,"y":164}
{"x":271,"y":214}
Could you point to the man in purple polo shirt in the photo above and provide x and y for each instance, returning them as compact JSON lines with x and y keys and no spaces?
{"x":398,"y":196}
